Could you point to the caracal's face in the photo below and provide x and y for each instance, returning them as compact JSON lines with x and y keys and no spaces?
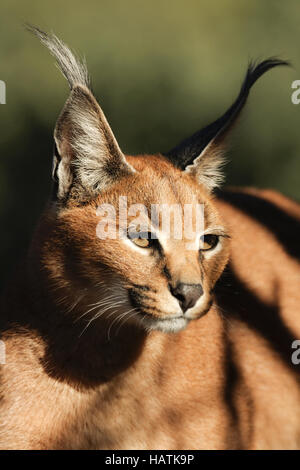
{"x":159,"y":271}
{"x":149,"y":250}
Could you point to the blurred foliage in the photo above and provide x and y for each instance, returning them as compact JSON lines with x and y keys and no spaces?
{"x":161,"y":70}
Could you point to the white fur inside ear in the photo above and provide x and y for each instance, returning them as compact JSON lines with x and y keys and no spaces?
{"x":207,"y":167}
{"x":93,"y":153}
{"x":87,"y":145}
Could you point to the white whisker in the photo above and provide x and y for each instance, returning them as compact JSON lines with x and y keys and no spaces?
{"x":119,"y":317}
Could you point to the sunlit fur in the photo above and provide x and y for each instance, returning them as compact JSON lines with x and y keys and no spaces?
{"x":141,"y":272}
{"x":99,"y":352}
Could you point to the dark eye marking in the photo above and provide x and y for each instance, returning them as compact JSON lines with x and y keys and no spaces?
{"x":166,"y":272}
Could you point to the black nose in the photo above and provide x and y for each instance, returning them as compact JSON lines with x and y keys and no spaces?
{"x":187,"y":294}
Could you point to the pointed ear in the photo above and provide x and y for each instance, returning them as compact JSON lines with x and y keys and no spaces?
{"x":88,"y":159}
{"x":202,"y":155}
{"x":87,"y":156}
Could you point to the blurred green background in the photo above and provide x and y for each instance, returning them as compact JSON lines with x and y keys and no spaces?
{"x":161,"y":70}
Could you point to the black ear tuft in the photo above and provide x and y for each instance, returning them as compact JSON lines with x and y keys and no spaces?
{"x":187,"y":151}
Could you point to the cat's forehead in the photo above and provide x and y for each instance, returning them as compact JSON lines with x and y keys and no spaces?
{"x":157,"y":182}
{"x":161,"y":193}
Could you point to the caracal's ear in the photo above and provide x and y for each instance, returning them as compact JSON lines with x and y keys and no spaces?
{"x":202,"y":155}
{"x":87,"y":156}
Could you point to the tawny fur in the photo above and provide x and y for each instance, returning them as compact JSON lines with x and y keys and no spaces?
{"x":223,"y":383}
{"x":87,"y":369}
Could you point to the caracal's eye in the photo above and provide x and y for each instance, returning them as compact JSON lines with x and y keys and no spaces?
{"x":208,"y":242}
{"x":141,"y":239}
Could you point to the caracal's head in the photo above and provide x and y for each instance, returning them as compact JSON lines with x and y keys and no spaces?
{"x":134,"y":238}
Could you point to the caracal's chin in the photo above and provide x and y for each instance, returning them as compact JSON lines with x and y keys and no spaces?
{"x":166,"y":325}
